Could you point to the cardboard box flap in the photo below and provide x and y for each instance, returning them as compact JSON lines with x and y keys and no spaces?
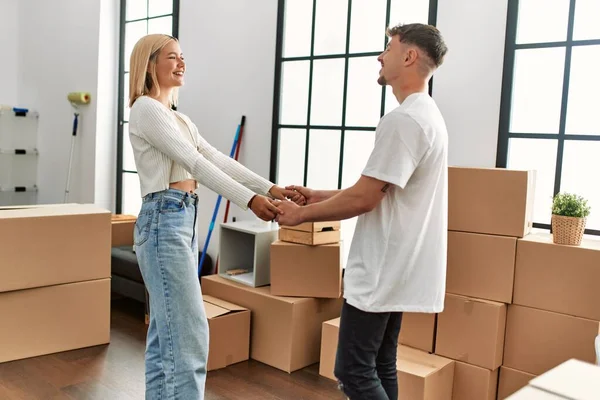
{"x":468,"y":300}
{"x":334,"y":322}
{"x":223,"y":304}
{"x":213,"y":311}
{"x":79,"y":209}
{"x":573,"y":379}
{"x":420,"y":363}
{"x":263,"y":290}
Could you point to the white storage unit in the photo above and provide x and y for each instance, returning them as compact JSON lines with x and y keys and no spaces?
{"x":246,"y":245}
{"x":18,"y":156}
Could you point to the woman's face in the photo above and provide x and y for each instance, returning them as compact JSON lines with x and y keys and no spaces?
{"x":170,"y":66}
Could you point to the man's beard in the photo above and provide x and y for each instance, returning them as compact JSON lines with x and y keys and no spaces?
{"x":381,"y":80}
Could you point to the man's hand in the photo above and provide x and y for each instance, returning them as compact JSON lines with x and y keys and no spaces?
{"x":284,"y":193}
{"x":264,"y":208}
{"x":309,"y":195}
{"x":291,"y":213}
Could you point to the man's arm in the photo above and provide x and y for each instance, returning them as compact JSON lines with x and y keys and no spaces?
{"x":362,"y":197}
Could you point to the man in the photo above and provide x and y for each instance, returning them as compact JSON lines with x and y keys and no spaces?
{"x":397,"y":259}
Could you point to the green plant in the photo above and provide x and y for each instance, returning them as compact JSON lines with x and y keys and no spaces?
{"x":570,"y":205}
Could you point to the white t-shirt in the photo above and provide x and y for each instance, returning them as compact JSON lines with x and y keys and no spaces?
{"x":397,"y":259}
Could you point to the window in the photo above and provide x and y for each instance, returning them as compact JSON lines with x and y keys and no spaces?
{"x":138,"y":18}
{"x":327,"y":99}
{"x":549,"y":110}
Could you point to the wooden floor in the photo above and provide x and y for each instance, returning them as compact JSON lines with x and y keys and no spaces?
{"x":116,"y":372}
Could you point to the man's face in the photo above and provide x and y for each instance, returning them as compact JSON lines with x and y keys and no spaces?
{"x":392,"y":61}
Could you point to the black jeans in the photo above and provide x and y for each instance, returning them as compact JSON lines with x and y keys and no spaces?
{"x":365,"y":364}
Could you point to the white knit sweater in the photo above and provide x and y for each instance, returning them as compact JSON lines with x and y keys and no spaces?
{"x":167,"y":147}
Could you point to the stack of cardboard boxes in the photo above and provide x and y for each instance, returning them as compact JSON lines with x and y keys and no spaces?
{"x":54,"y":279}
{"x":290,"y":281}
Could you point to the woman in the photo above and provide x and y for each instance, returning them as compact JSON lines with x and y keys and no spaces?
{"x":171,"y":159}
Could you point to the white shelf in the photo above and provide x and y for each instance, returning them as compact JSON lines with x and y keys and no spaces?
{"x":247,"y":245}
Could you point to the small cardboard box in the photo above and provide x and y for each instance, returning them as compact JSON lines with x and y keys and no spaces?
{"x":558,"y":278}
{"x":481,"y":266}
{"x":573,"y":379}
{"x":306,"y":271}
{"x":538,"y":340}
{"x":424,"y":376}
{"x":418,"y":331}
{"x":53,"y":319}
{"x":329,"y":344}
{"x":474,"y":383}
{"x":285,"y":331}
{"x":52,"y":245}
{"x":472,"y":331}
{"x":495,"y":201}
{"x":311,"y":233}
{"x":229,"y":326}
{"x":122,"y":230}
{"x":512,"y":380}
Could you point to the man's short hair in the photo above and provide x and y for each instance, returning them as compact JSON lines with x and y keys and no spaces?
{"x":426,"y":37}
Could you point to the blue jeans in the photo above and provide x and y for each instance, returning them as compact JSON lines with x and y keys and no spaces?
{"x":167,"y":252}
{"x":365,"y":364}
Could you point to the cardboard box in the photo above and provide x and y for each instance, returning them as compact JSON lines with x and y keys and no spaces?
{"x":481,"y":266}
{"x":496,"y":201}
{"x":229,"y":326}
{"x":122,"y":230}
{"x":512,"y":380}
{"x":418,"y":331}
{"x":531,"y":393}
{"x":424,"y":376}
{"x":306,"y":271}
{"x":285,"y":331}
{"x":537,"y":340}
{"x":329,"y":344}
{"x":558,"y":278}
{"x":54,"y":318}
{"x":311,"y":233}
{"x":573,"y":379}
{"x":47,"y":245}
{"x":472,"y":331}
{"x":474,"y":383}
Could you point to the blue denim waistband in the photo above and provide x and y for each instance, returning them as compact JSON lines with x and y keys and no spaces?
{"x":189,"y":198}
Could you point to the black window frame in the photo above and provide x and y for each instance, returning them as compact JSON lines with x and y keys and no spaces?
{"x":121,"y":102}
{"x":504,"y":134}
{"x":279,"y":60}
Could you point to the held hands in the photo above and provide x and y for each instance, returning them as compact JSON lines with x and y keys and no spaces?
{"x":264,"y":208}
{"x":309,"y":195}
{"x":286,"y":193}
{"x":291,"y":213}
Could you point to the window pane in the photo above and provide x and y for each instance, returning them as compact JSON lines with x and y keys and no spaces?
{"x":131,"y":197}
{"x":159,"y":7}
{"x":363,"y":103}
{"x":542,"y":21}
{"x":161,"y":25}
{"x":134,"y":31}
{"x":406,"y":12}
{"x":537,"y":90}
{"x":357,"y":149}
{"x":391,"y":102}
{"x":294,"y":92}
{"x":367,"y":28}
{"x":327,"y":92}
{"x":297,"y":28}
{"x":579,"y":175}
{"x":126,"y":109}
{"x":323,"y":159}
{"x":128,"y":159}
{"x":587,"y":20}
{"x":330,"y":26}
{"x":290,"y":163}
{"x":136,"y":9}
{"x":539,"y":155}
{"x":584,"y":86}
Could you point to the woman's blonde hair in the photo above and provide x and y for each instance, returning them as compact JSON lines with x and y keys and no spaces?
{"x":142,"y":67}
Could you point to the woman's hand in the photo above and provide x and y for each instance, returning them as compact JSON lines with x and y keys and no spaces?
{"x":264,"y":208}
{"x":285,"y":193}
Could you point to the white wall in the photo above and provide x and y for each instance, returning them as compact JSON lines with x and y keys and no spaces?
{"x":229,"y":48}
{"x":9,"y":13}
{"x":467,"y":87}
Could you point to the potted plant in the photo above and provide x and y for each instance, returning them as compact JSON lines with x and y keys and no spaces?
{"x":569,"y":215}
